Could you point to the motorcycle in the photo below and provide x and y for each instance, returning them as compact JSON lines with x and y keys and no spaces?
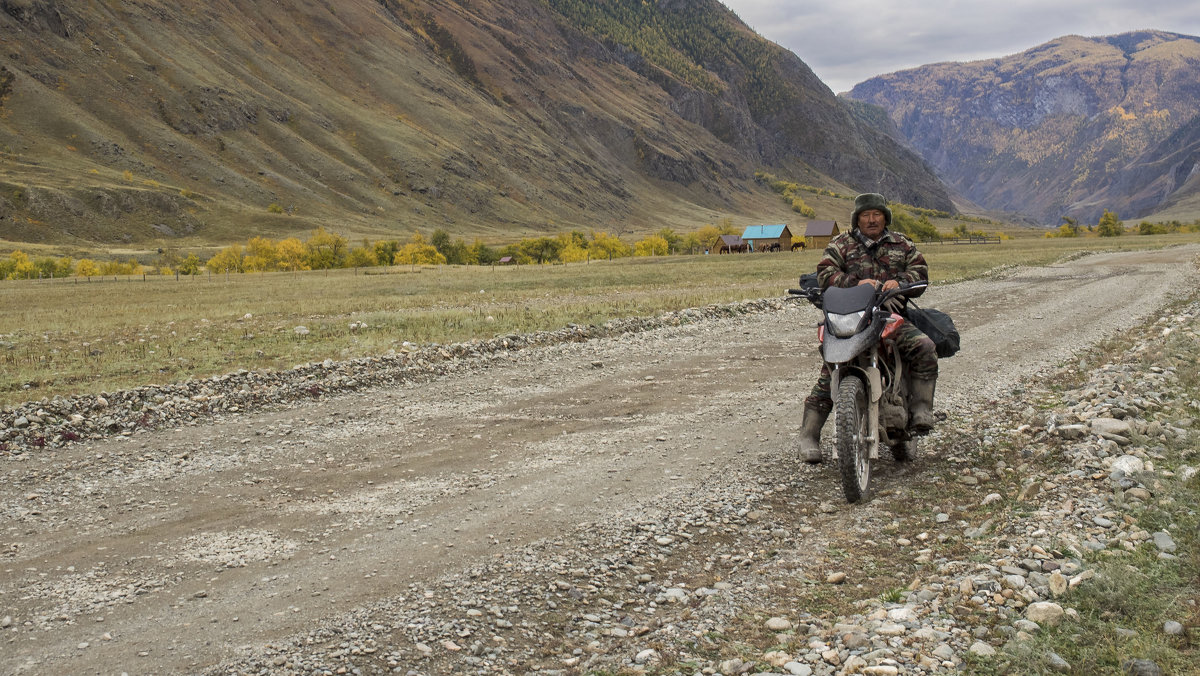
{"x":870,"y":384}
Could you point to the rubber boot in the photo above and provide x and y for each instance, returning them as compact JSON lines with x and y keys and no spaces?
{"x":810,"y":434}
{"x":920,"y":406}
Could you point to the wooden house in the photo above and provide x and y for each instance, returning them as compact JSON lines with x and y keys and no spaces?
{"x":768,"y":238}
{"x":730,"y":244}
{"x":818,"y":233}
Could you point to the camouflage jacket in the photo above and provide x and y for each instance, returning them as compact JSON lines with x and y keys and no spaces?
{"x":851,"y":258}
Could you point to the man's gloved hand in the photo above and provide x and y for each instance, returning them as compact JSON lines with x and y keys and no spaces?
{"x":885,"y":287}
{"x":895,"y":305}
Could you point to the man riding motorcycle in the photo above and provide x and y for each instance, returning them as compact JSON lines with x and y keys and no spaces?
{"x":870,"y":253}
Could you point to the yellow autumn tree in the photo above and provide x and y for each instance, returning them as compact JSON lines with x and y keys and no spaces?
{"x":418,"y":251}
{"x":654,"y":245}
{"x":293,"y":255}
{"x":261,"y":255}
{"x":228,"y":259}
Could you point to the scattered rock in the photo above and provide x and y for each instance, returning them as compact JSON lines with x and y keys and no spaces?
{"x":1045,"y":613}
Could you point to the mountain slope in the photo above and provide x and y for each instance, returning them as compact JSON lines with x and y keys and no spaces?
{"x":167,"y":122}
{"x":1053,"y":131}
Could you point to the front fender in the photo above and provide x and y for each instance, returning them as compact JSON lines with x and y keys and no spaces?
{"x":868,"y":373}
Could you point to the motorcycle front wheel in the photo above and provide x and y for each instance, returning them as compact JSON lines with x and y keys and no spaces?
{"x":852,"y":432}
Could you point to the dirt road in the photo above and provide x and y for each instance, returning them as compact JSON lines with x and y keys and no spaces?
{"x":175,"y":551}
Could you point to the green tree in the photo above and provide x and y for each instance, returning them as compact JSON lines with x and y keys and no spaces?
{"x":1072,"y":225}
{"x":43,"y":268}
{"x":440,"y":239}
{"x":458,"y":253}
{"x":190,"y":265}
{"x":385,"y":251}
{"x":482,"y":254}
{"x":361,"y":257}
{"x":1109,"y":226}
{"x":540,"y":249}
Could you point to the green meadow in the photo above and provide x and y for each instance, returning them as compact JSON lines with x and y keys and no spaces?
{"x":79,"y":336}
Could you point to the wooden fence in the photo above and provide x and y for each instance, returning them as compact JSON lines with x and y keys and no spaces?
{"x":984,"y":239}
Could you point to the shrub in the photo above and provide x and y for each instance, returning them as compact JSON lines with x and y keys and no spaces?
{"x":799,"y":206}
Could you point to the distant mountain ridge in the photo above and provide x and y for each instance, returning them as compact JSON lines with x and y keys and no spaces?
{"x":1069,"y":128}
{"x":178,"y":122}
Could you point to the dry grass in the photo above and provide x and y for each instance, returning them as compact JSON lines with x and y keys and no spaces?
{"x":62,"y":337}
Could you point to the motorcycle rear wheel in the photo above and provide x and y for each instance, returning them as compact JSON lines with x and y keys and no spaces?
{"x":852,"y":430}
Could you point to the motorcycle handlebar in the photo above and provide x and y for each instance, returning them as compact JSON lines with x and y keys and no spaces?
{"x":908,"y":286}
{"x":904,"y":288}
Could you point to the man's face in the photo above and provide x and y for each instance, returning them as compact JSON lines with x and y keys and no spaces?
{"x":871,"y":222}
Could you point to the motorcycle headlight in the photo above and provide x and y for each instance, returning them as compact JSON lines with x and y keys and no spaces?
{"x":844,"y":326}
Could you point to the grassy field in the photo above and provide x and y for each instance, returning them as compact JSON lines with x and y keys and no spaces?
{"x":72,"y":336}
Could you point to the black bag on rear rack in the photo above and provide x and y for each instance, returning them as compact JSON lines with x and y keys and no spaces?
{"x":937,"y":325}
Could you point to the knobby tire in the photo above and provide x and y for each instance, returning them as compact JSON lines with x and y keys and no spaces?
{"x":854,"y":453}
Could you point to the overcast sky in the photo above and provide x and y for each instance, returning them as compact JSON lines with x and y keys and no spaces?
{"x":848,"y":41}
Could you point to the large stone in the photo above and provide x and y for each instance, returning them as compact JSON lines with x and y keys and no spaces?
{"x":777,"y":658}
{"x":1141,"y":668}
{"x":1057,"y":583}
{"x":1110,"y":426}
{"x":982,"y":649}
{"x":1129,"y":464}
{"x":1163,"y":541}
{"x":1071,"y":432}
{"x":778,"y":624}
{"x":1058,"y":664}
{"x":1045,"y":613}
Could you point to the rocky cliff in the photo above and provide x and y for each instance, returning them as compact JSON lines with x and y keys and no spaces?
{"x":176,"y":122}
{"x":1069,"y":128}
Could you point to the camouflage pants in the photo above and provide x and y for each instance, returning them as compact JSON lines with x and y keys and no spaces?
{"x":915,"y":348}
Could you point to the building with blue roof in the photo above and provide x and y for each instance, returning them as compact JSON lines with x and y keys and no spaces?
{"x":768,"y":238}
